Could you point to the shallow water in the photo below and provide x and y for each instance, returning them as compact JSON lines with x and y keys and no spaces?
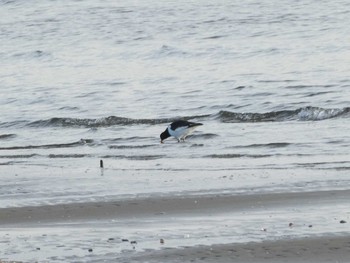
{"x":87,"y":81}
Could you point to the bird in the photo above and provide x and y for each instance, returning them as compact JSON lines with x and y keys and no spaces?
{"x":179,"y":129}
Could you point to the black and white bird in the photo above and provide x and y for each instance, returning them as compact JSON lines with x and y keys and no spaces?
{"x":179,"y":129}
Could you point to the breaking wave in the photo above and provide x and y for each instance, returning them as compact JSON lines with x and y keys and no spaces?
{"x":302,"y":114}
{"x":100,"y":122}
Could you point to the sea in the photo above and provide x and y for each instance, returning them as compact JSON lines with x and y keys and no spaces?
{"x":88,"y":81}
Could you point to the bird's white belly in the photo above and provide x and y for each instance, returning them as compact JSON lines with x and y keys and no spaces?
{"x":182,"y":132}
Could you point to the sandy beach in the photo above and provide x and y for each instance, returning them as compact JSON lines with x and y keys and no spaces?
{"x":321,"y":249}
{"x":273,"y":227}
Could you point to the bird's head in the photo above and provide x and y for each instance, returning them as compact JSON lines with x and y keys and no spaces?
{"x":165,"y":134}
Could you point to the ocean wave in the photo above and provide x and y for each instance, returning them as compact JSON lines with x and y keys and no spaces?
{"x":266,"y":145}
{"x":68,"y":156}
{"x":50,"y":146}
{"x":130,"y":146}
{"x":232,"y":155}
{"x":19,"y":156}
{"x":92,"y":123}
{"x":9,"y":124}
{"x":302,"y":114}
{"x":316,"y":114}
{"x":134,"y":157}
{"x":102,"y":122}
{"x":7,"y":136}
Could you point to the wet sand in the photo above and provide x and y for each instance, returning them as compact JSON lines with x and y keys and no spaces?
{"x":165,"y":206}
{"x":321,"y":249}
{"x":271,"y":227}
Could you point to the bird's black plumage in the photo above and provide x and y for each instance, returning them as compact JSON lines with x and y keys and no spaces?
{"x":181,"y":123}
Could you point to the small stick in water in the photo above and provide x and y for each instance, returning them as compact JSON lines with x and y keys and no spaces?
{"x":101,"y":163}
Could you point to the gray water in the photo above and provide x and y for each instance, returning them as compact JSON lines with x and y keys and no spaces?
{"x":82,"y":81}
